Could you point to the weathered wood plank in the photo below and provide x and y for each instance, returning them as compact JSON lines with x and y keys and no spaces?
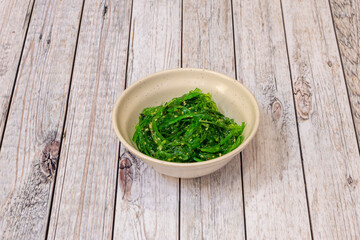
{"x":328,"y":141}
{"x":274,"y":192}
{"x":147,"y":202}
{"x":32,"y":135}
{"x":346,"y":16}
{"x":14,"y":21}
{"x":211,"y":206}
{"x":84,"y":199}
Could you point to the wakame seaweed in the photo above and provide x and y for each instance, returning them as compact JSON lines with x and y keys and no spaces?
{"x":187,"y":129}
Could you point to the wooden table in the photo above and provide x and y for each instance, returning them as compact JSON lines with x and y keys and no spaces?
{"x":64,"y":175}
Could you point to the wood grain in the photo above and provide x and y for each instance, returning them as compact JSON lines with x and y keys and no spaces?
{"x":29,"y":152}
{"x":328,"y":141}
{"x":147,"y":202}
{"x":14,"y":21}
{"x":346,"y":16}
{"x":84,"y":199}
{"x":211,"y":206}
{"x":274,"y":192}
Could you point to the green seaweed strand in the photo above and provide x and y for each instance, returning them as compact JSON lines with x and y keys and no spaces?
{"x":187,"y":129}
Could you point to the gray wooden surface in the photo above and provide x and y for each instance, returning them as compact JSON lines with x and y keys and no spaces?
{"x":64,"y":175}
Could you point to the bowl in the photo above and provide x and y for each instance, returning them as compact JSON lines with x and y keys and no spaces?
{"x":233,"y":99}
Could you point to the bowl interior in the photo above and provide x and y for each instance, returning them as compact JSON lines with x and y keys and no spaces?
{"x":232,"y":98}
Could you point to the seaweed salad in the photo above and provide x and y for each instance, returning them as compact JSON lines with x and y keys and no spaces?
{"x":187,"y":129}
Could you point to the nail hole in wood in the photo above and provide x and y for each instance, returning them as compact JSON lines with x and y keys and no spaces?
{"x":105,"y":10}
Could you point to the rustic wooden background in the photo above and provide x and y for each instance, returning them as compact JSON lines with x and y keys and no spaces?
{"x":64,"y":175}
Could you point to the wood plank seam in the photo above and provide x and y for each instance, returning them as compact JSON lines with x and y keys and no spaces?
{"x":28,"y":18}
{"x":64,"y":122}
{"x":275,"y":199}
{"x":119,"y":155}
{"x":36,"y":117}
{"x":353,"y":112}
{"x":181,"y":66}
{"x":208,"y":43}
{"x":297,"y":124}
{"x":324,"y":119}
{"x":98,"y":77}
{"x":150,"y":202}
{"x":241,"y":157}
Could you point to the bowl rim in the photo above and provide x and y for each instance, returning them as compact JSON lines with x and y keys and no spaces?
{"x":191,"y":164}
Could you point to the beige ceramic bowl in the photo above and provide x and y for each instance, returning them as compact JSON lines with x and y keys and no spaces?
{"x":231,"y":97}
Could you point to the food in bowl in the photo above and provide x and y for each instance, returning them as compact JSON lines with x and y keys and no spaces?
{"x":186,"y":129}
{"x":232,"y":98}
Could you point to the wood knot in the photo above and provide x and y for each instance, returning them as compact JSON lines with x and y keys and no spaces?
{"x":329,"y":63}
{"x":351,"y":183}
{"x":125,"y":163}
{"x":303,"y":98}
{"x":126,"y":174}
{"x":276,"y":109}
{"x":50,"y":157}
